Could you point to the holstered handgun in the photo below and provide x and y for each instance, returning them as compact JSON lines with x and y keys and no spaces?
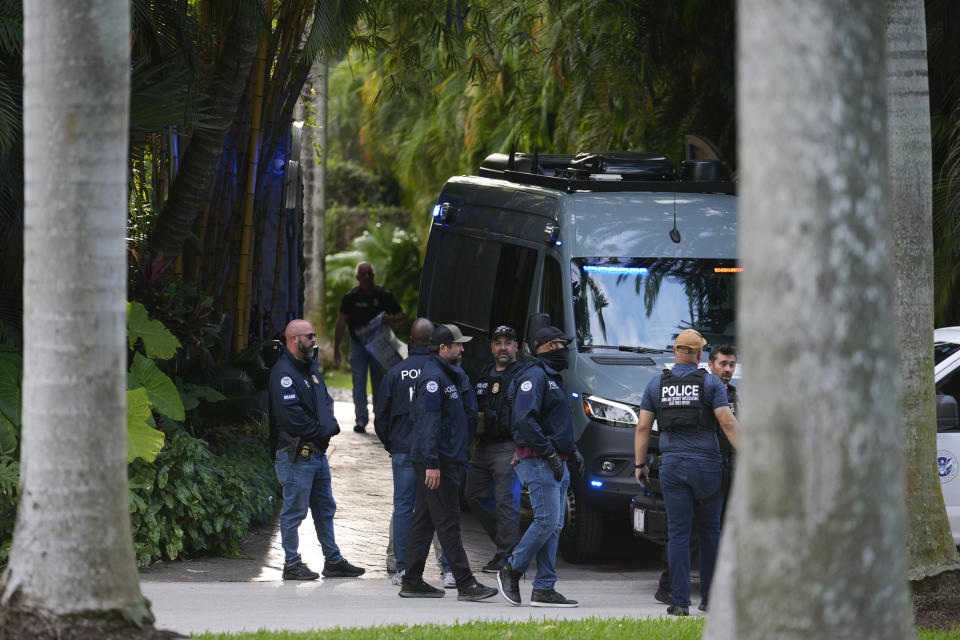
{"x":293,"y":448}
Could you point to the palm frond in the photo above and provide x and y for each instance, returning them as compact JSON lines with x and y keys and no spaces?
{"x":11,"y":28}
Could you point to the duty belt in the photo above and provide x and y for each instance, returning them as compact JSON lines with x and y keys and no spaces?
{"x":296,"y":448}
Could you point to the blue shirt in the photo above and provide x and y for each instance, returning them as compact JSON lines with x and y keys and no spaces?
{"x":689,"y":443}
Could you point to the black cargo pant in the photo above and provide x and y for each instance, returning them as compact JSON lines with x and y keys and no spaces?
{"x":492,"y":463}
{"x":437,"y":510}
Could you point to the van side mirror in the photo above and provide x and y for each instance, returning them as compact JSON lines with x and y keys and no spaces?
{"x":947,"y":413}
{"x":535,"y":322}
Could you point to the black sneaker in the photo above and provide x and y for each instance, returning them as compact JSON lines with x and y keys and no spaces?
{"x":419,"y":589}
{"x":677,"y":610}
{"x":509,"y":581}
{"x":299,"y":571}
{"x":662,"y":595}
{"x":496,"y":563}
{"x":475,"y":591}
{"x":360,"y":428}
{"x":342,"y":569}
{"x":550,"y":598}
{"x":703,"y":606}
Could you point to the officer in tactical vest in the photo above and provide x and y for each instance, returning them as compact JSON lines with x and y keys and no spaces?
{"x":493,"y":456}
{"x":302,"y":411}
{"x":685,"y":401}
{"x":393,"y":423}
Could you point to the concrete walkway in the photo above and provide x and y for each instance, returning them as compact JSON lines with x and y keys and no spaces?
{"x":247,"y":593}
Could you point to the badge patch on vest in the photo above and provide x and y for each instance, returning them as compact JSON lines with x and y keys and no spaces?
{"x":495,"y":388}
{"x":286,"y":382}
{"x":314,"y":376}
{"x":433,"y":400}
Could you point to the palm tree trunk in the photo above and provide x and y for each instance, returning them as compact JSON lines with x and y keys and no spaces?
{"x":199,"y":161}
{"x":814,"y":535}
{"x":72,"y":549}
{"x":910,"y":196}
{"x":313,"y":164}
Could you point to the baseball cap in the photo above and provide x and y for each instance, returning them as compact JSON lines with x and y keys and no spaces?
{"x":547,"y":334}
{"x":504,"y":330}
{"x":447,"y":333}
{"x":689,"y":341}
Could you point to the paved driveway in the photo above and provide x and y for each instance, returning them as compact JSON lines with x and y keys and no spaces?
{"x":247,"y":593}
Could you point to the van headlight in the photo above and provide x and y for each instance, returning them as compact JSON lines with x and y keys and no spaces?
{"x":611,"y":412}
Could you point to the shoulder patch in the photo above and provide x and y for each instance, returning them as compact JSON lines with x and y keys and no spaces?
{"x":286,"y":382}
{"x":526,"y":385}
{"x":432,"y":386}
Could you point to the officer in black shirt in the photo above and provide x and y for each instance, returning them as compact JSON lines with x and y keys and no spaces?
{"x":492,"y":459}
{"x":362,"y":304}
{"x":302,"y":411}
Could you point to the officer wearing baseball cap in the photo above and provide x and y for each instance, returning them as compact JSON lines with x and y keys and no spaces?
{"x":492,"y":461}
{"x":685,"y":401}
{"x":444,"y":419}
{"x":543,"y":432}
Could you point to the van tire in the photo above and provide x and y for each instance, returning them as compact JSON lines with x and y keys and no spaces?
{"x":582,"y":534}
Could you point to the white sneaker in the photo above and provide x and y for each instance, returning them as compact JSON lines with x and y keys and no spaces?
{"x":449,"y":582}
{"x":397,"y":578}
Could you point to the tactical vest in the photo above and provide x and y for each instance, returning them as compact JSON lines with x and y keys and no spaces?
{"x":497,"y":403}
{"x":681,"y":402}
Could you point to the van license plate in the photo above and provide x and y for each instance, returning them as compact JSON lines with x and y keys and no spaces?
{"x":639,"y":520}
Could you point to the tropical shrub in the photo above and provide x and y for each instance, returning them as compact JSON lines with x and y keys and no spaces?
{"x":11,"y":367}
{"x":190,"y":500}
{"x":394,"y":254}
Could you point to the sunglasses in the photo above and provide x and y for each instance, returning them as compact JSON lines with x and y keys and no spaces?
{"x":311,"y":336}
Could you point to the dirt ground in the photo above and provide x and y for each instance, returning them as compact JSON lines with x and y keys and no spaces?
{"x":936,"y":601}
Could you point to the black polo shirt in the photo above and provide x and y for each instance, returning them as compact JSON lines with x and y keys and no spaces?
{"x":361,"y":307}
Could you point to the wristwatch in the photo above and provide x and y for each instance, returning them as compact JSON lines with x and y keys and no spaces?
{"x":640,"y":466}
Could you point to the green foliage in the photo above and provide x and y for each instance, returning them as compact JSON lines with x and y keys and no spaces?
{"x":346,"y":224}
{"x":192,"y":394}
{"x":395,"y":256}
{"x":593,"y":628}
{"x":190,"y":501}
{"x":143,"y":438}
{"x":350,"y":184}
{"x":158,"y":342}
{"x":162,"y":392}
{"x":11,"y":368}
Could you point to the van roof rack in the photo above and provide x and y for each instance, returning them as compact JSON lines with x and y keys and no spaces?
{"x":609,"y":171}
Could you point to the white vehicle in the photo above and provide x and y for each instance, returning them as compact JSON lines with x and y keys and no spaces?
{"x":946,"y":356}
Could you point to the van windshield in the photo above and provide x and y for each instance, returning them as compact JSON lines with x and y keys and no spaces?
{"x":643,"y":303}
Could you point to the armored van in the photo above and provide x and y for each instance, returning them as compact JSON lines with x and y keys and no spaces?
{"x":620,"y":250}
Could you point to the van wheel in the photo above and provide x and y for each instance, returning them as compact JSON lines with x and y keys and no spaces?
{"x":582,"y":532}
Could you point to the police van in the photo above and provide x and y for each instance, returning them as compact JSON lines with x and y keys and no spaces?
{"x":946,"y":375}
{"x":621,"y":250}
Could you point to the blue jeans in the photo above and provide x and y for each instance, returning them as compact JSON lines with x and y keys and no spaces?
{"x":404,"y":497}
{"x":360,"y":361}
{"x":548,"y":497}
{"x":691,"y":494}
{"x":306,"y":484}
